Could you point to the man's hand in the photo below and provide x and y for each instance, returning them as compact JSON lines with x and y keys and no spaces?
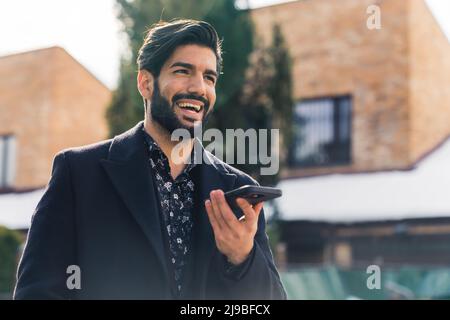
{"x":234,"y":238}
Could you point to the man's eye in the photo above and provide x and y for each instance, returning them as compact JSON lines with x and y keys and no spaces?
{"x":211,"y":78}
{"x":183,"y":71}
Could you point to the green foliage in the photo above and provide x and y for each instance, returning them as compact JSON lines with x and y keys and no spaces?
{"x":266,"y":99}
{"x":9,"y":245}
{"x":280,"y":88}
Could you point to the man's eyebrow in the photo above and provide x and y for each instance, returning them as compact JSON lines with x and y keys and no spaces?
{"x":191,"y":67}
{"x":211,"y":72}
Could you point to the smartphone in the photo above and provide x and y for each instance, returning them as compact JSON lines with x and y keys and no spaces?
{"x":253,"y":194}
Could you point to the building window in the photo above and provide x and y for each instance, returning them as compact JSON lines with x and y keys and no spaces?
{"x":322,"y":132}
{"x":7,"y":161}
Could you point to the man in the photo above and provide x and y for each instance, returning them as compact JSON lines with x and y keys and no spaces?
{"x":126,"y":219}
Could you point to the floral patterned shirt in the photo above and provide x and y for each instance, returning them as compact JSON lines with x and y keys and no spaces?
{"x":176,"y":202}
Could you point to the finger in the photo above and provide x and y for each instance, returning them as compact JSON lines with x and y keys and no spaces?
{"x":216,"y":211}
{"x":249,"y":212}
{"x":258,"y":208}
{"x":211,"y":216}
{"x":226,"y":212}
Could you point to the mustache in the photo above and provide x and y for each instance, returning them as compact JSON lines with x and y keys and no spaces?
{"x":181,"y":96}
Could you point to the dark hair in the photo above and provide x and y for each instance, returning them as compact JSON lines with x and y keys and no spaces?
{"x":164,"y":37}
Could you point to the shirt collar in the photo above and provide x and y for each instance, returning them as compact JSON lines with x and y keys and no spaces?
{"x":153,"y":147}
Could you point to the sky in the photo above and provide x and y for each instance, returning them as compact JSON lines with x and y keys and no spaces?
{"x":90,"y":31}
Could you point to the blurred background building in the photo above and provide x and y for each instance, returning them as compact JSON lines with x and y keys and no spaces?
{"x":48,"y":102}
{"x":368,"y":179}
{"x":365,"y":97}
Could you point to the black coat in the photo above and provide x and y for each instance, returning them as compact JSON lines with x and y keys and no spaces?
{"x":100,"y":212}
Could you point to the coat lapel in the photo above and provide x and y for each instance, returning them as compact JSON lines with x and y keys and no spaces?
{"x":128,"y":169}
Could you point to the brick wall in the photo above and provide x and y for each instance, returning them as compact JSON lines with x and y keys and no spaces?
{"x":49,"y":102}
{"x":80,"y":102}
{"x":334,"y":53}
{"x":429,"y":81}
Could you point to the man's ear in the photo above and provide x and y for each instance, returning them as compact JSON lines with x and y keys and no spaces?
{"x":145,"y":83}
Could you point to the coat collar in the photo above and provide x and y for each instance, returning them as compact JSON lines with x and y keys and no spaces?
{"x":128,"y":169}
{"x":127,"y":145}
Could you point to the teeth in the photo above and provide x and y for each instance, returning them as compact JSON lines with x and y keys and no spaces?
{"x":189,"y":105}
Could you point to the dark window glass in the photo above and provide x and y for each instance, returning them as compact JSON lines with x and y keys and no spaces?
{"x":322,"y":132}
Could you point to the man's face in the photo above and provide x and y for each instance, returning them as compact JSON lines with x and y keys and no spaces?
{"x":184,"y":93}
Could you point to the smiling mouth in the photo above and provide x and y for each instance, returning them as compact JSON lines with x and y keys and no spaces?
{"x":189,"y":106}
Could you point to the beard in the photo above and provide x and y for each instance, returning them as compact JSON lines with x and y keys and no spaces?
{"x":163,"y":112}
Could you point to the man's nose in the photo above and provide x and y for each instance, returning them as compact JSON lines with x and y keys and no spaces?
{"x":197,"y":86}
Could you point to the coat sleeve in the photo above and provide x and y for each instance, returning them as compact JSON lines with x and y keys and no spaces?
{"x":258,"y":277}
{"x":50,"y":246}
